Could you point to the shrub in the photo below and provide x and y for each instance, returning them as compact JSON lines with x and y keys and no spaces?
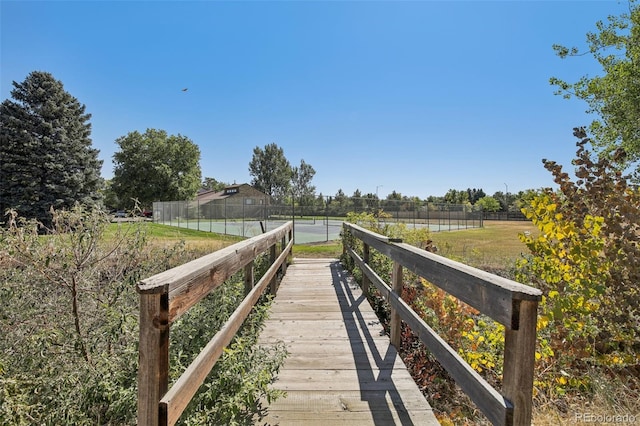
{"x":69,"y":324}
{"x":587,"y":262}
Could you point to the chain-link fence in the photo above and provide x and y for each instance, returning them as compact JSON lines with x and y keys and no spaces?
{"x":313,"y":222}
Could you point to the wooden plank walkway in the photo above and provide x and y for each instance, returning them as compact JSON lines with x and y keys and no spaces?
{"x":341,"y":368}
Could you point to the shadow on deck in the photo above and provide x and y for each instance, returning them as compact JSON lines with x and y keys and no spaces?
{"x":341,"y":368}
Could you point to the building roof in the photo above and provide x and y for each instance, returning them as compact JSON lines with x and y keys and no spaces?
{"x":229,"y":191}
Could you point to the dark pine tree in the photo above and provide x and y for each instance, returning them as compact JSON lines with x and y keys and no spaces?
{"x":46,"y":155}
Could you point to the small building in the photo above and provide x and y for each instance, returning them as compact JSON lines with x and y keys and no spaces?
{"x":234,"y":201}
{"x":236,"y":191}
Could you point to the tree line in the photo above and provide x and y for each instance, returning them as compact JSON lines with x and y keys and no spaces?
{"x":48,"y":162}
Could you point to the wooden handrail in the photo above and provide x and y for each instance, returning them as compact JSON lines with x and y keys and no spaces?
{"x":166,"y":296}
{"x":510,"y":303}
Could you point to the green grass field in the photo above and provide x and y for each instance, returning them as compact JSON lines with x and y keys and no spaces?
{"x":495,"y":246}
{"x":200,"y":241}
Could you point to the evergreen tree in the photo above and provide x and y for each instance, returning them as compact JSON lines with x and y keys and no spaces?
{"x":46,"y":155}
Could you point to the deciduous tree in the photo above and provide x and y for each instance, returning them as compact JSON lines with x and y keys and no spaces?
{"x":613,"y":96}
{"x":586,"y":259}
{"x":454,"y":196}
{"x":489,"y":204}
{"x":271,"y":171}
{"x":301,"y":183}
{"x":213,"y":184}
{"x":154,"y":166}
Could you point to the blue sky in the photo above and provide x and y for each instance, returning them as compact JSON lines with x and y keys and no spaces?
{"x":414,"y":97}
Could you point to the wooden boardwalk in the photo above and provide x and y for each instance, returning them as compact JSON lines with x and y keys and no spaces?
{"x":341,"y":368}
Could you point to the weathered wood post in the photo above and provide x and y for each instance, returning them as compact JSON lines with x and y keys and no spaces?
{"x":188,"y":284}
{"x":519,"y":361}
{"x":153,"y":370}
{"x":249,"y":279}
{"x":285,"y":239}
{"x":396,"y":322}
{"x":273,"y":285}
{"x":365,"y":279}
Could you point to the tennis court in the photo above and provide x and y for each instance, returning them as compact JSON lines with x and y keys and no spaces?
{"x":305,"y":230}
{"x":250,"y":216}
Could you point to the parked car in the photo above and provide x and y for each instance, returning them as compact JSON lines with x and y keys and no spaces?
{"x":120,"y":213}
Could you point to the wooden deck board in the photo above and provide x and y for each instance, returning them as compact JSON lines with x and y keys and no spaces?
{"x":341,"y":368}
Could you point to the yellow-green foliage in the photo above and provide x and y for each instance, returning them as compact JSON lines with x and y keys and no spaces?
{"x":586,"y":260}
{"x":573,"y":269}
{"x":483,"y":346}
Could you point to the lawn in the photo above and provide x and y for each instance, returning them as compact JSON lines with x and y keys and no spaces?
{"x":495,"y":246}
{"x":167,"y":235}
{"x":331,"y":249}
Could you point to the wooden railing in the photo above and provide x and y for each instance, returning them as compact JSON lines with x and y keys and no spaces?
{"x":512,"y":304}
{"x":166,"y":296}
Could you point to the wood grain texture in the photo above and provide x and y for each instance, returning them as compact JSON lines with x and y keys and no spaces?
{"x":341,"y":368}
{"x":519,"y":363}
{"x":498,"y":409}
{"x":166,"y":296}
{"x":490,"y":294}
{"x":176,"y":399}
{"x":505,"y":301}
{"x":153,"y":359}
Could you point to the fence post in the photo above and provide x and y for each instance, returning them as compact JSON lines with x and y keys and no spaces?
{"x":153,"y":365}
{"x":273,"y":285}
{"x":282,"y":247}
{"x":326,"y":216}
{"x":519,"y":360}
{"x":293,"y":218}
{"x":395,"y":326}
{"x":248,"y":278}
{"x":365,"y":279}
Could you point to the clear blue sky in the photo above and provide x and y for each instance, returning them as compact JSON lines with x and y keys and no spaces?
{"x":417,"y":97}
